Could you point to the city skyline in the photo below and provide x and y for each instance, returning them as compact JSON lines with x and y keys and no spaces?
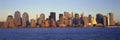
{"x":33,"y":7}
{"x":65,"y":20}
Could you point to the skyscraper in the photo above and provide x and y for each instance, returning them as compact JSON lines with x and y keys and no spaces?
{"x":86,"y":21}
{"x":76,"y":20}
{"x":66,"y":14}
{"x":72,"y":15}
{"x":61,"y":21}
{"x":41,"y":20}
{"x":99,"y":18}
{"x":25,"y":20}
{"x":10,"y":22}
{"x":52,"y":15}
{"x":47,"y":23}
{"x":81,"y":22}
{"x":32,"y":24}
{"x":111,"y":19}
{"x":18,"y":19}
{"x":42,"y":16}
{"x":52,"y":23}
{"x":52,"y":19}
{"x":69,"y":22}
{"x":90,"y":18}
{"x":105,"y":20}
{"x":60,"y":16}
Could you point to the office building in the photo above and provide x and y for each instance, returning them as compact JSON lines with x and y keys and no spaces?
{"x":47,"y":23}
{"x":25,"y":20}
{"x":105,"y":20}
{"x":72,"y":15}
{"x":81,"y":22}
{"x":32,"y":23}
{"x":90,"y":18}
{"x":76,"y":20}
{"x":17,"y":19}
{"x":99,"y":18}
{"x":61,"y":21}
{"x":66,"y":15}
{"x":42,"y":16}
{"x":52,"y":16}
{"x":10,"y":22}
{"x":52,"y":23}
{"x":111,"y":19}
{"x":86,"y":21}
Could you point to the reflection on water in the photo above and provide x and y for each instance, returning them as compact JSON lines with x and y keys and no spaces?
{"x":60,"y":34}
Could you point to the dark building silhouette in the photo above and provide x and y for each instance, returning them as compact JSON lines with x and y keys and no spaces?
{"x":60,"y":16}
{"x":76,"y":20}
{"x":99,"y":18}
{"x":81,"y":19}
{"x":52,"y":15}
{"x":52,"y":19}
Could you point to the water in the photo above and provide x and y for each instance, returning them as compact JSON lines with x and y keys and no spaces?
{"x":60,"y":34}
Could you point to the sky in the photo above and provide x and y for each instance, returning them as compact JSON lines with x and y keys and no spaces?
{"x":34,"y":7}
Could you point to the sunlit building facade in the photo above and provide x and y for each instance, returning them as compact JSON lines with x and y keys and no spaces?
{"x":61,"y":21}
{"x":32,"y":23}
{"x":111,"y":19}
{"x":10,"y":22}
{"x":105,"y":20}
{"x":86,"y":21}
{"x":18,"y":19}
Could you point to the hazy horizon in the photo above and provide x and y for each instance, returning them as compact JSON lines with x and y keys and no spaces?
{"x":33,"y":7}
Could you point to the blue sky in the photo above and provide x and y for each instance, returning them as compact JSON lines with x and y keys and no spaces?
{"x":33,"y":7}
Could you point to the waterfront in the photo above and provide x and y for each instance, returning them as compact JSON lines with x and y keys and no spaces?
{"x":60,"y":34}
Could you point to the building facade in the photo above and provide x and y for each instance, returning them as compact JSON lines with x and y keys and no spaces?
{"x":18,"y":19}
{"x":25,"y":20}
